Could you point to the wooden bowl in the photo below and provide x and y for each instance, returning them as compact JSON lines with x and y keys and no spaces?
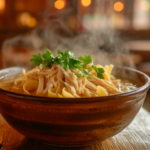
{"x":72,"y":121}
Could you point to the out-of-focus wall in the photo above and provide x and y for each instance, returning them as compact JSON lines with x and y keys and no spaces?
{"x":125,"y":14}
{"x":131,"y":17}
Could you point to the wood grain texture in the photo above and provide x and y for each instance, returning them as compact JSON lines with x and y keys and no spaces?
{"x":135,"y":137}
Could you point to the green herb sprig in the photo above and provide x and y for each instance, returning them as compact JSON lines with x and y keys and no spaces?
{"x":68,"y":61}
{"x":99,"y":72}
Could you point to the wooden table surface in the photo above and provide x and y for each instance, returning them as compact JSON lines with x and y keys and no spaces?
{"x":135,"y":137}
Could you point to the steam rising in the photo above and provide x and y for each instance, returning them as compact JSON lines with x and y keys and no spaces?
{"x":104,"y":47}
{"x":102,"y":42}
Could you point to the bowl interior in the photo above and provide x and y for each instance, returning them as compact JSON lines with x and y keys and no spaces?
{"x":124,"y":73}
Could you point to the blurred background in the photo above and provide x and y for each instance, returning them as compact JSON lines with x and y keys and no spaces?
{"x":117,"y":29}
{"x":130,"y":18}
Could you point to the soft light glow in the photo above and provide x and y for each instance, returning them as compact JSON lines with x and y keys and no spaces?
{"x":27,"y":20}
{"x":86,"y":3}
{"x":24,"y":18}
{"x":118,"y":6}
{"x":59,"y":4}
{"x":2,"y":5}
{"x":141,"y":15}
{"x":145,"y":5}
{"x":31,"y":22}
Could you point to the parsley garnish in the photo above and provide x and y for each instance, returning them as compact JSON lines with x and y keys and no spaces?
{"x":68,"y":61}
{"x":46,"y":60}
{"x":82,"y":75}
{"x":36,"y":60}
{"x":85,"y":60}
{"x":99,"y":72}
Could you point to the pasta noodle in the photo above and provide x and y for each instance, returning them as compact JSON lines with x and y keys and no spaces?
{"x":58,"y":82}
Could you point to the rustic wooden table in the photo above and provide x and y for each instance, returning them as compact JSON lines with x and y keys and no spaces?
{"x":135,"y":137}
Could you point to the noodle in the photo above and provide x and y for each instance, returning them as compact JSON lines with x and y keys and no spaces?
{"x":58,"y":82}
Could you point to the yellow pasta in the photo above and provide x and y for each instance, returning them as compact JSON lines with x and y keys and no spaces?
{"x":60,"y":96}
{"x":30,"y":86}
{"x":66,"y":94}
{"x":99,"y":66}
{"x":101,"y":91}
{"x":51,"y":93}
{"x":109,"y":69}
{"x":58,"y":82}
{"x":106,"y":76}
{"x":19,"y":80}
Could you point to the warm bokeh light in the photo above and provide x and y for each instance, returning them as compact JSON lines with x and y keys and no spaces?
{"x":86,"y":3}
{"x":26,"y":19}
{"x":31,"y":22}
{"x":118,"y":6}
{"x":2,"y":5}
{"x":59,"y":4}
{"x":145,"y":5}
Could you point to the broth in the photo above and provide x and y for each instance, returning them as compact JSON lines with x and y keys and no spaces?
{"x":7,"y":83}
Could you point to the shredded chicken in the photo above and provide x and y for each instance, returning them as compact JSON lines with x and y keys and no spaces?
{"x":56,"y":79}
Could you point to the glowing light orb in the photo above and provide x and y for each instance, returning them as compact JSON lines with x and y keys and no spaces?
{"x":59,"y":4}
{"x":31,"y":22}
{"x":86,"y":3}
{"x":2,"y":5}
{"x":118,"y":6}
{"x":24,"y":17}
{"x":27,"y":20}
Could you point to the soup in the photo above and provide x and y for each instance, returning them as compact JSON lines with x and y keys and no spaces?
{"x":66,"y":77}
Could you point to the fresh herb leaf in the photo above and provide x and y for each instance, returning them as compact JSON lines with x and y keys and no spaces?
{"x":48,"y":59}
{"x":82,"y":75}
{"x":99,"y":71}
{"x":67,"y":60}
{"x":36,"y":60}
{"x":87,"y":71}
{"x":85,"y":60}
